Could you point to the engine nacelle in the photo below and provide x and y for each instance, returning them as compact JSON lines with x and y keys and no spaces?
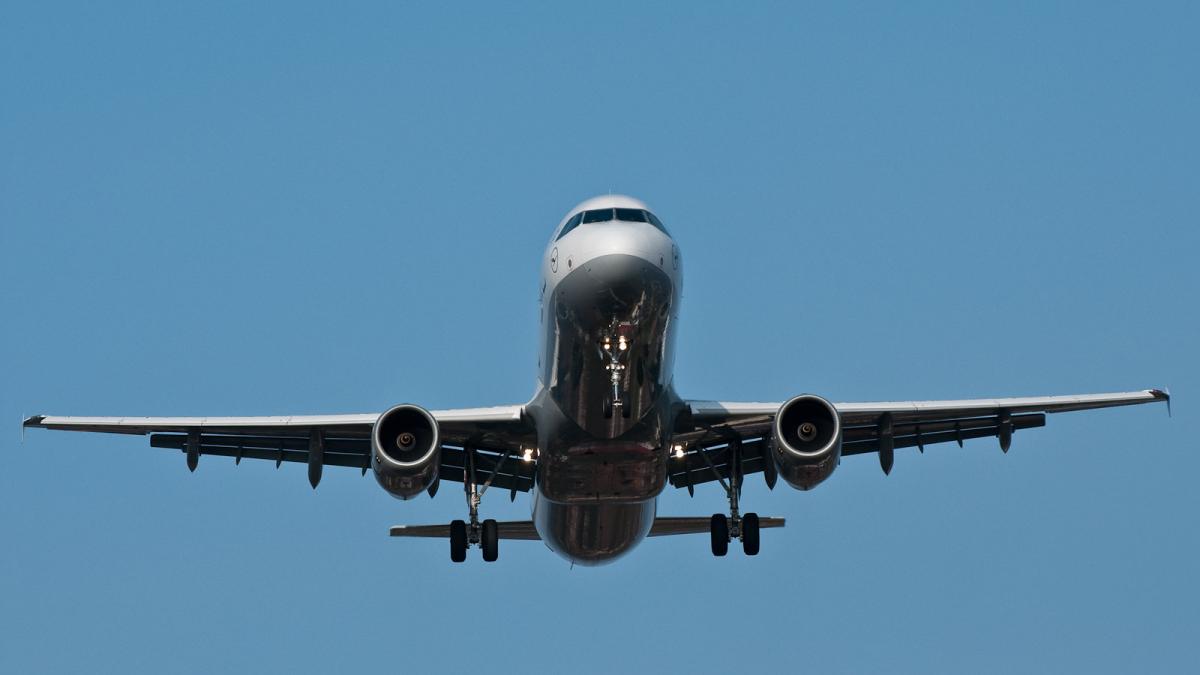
{"x":405,"y":450}
{"x":806,"y":441}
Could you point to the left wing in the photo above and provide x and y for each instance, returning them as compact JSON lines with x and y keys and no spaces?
{"x":319,"y":440}
{"x":872,"y":427}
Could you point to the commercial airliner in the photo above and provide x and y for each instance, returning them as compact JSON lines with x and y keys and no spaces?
{"x":605,"y":431}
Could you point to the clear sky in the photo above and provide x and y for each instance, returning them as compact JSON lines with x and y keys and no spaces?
{"x":234,"y":209}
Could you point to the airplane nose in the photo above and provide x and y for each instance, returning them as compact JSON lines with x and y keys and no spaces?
{"x":617,"y":285}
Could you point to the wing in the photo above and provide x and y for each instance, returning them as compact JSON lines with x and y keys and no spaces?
{"x":878,"y":427}
{"x":334,"y":440}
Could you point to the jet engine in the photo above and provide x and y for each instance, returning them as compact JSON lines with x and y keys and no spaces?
{"x":806,"y":441}
{"x":405,"y":450}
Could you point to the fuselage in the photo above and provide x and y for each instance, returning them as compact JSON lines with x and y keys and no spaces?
{"x":604,"y":407}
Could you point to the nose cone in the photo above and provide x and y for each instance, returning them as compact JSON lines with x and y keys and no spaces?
{"x":615,"y":286}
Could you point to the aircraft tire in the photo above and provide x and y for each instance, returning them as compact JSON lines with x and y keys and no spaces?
{"x":750,"y":534}
{"x":719,"y":529}
{"x":458,"y":541}
{"x":490,"y":541}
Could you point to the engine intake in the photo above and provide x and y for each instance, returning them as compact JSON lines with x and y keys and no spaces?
{"x":806,"y":441}
{"x":405,"y":450}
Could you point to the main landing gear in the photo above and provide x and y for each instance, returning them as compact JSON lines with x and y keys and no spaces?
{"x":724,"y":529}
{"x":473,"y":532}
{"x":484,"y":535}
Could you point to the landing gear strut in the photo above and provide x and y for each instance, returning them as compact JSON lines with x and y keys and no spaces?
{"x":724,"y":529}
{"x":485,"y":534}
{"x":614,"y":347}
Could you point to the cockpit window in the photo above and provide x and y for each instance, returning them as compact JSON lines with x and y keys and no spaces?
{"x":597,"y":216}
{"x":605,"y":215}
{"x":632,"y":215}
{"x":656,"y":222}
{"x":571,"y":224}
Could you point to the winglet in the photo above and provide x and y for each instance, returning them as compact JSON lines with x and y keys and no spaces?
{"x":1163,"y":394}
{"x":35,"y":421}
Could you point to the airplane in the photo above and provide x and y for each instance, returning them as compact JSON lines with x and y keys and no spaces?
{"x":605,"y":432}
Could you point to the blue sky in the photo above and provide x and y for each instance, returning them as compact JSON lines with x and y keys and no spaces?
{"x":235,"y":209}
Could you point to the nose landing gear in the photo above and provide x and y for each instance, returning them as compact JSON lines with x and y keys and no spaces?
{"x":615,"y":346}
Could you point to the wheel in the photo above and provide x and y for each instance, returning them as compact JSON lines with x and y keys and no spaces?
{"x":458,"y":541}
{"x":750,"y":534}
{"x":719,"y":528}
{"x":490,"y":541}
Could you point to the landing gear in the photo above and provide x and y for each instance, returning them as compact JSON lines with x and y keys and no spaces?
{"x":614,"y":347}
{"x":609,"y":406}
{"x":485,"y":534}
{"x":724,"y":529}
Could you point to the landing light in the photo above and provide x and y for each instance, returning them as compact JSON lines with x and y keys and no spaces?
{"x":678,"y":451}
{"x":527,"y":455}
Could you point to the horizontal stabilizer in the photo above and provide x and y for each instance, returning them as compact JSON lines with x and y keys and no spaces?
{"x":690,"y":525}
{"x":524,"y":530}
{"x":506,"y":529}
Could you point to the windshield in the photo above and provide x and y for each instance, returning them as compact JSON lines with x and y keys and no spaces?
{"x":632,"y":215}
{"x":600,"y":216}
{"x":571,"y":224}
{"x":605,"y":215}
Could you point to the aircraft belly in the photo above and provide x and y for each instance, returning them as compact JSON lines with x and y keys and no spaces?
{"x":602,"y":471}
{"x":592,"y":534}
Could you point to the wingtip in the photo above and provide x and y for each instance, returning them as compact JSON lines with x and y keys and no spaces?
{"x":1164,"y":395}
